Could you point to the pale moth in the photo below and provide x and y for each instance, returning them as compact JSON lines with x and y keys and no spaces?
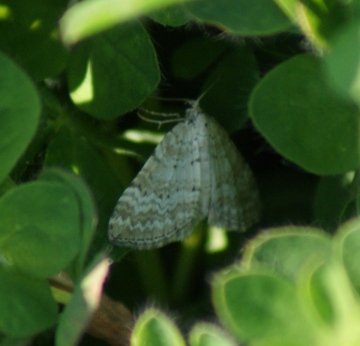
{"x":196,"y":172}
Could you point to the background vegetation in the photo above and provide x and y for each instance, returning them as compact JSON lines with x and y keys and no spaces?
{"x":285,"y":86}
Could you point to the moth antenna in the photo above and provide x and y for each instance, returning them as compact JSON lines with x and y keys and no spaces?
{"x":160,"y":122}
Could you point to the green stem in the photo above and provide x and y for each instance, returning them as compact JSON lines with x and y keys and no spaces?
{"x":188,"y":260}
{"x":152,"y":274}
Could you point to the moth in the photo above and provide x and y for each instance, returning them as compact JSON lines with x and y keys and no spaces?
{"x":195,"y":173}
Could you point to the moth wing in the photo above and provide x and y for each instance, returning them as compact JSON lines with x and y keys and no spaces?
{"x":162,"y":204}
{"x":234,"y":201}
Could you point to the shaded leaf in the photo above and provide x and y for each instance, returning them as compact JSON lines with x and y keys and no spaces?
{"x":113,"y":72}
{"x":39,"y":228}
{"x":85,"y":19}
{"x":175,"y":15}
{"x":27,"y":306}
{"x":71,"y":150}
{"x":258,"y":17}
{"x":304,"y":120}
{"x":19,"y":114}
{"x":87,"y":209}
{"x":28,"y":33}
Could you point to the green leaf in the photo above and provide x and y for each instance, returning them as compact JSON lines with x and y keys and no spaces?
{"x":71,"y":150}
{"x":342,"y":62}
{"x":112,"y":73}
{"x":93,"y":16}
{"x":304,"y":120}
{"x":319,"y":19}
{"x":175,"y":15}
{"x":87,"y":209}
{"x":247,"y":18}
{"x":260,"y":306}
{"x":228,"y":85}
{"x":39,"y":228}
{"x":6,"y":185}
{"x":84,"y":302}
{"x":196,"y":55}
{"x":52,"y":114}
{"x":9,"y":341}
{"x":289,"y":7}
{"x":154,"y":328}
{"x":27,"y":307}
{"x":19,"y":114}
{"x":347,"y":242}
{"x":28,"y":33}
{"x":332,"y":294}
{"x":207,"y":334}
{"x":287,"y":249}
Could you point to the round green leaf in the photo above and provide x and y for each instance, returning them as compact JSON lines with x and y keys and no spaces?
{"x":286,"y":250}
{"x":328,"y":290}
{"x":19,"y":114}
{"x":87,"y":211}
{"x":153,"y":328}
{"x":304,"y":119}
{"x":113,"y":72}
{"x":27,"y":306}
{"x":175,"y":15}
{"x":206,"y":334}
{"x":256,"y":306}
{"x":39,"y":228}
{"x":87,"y":18}
{"x":248,"y":18}
{"x":348,"y":245}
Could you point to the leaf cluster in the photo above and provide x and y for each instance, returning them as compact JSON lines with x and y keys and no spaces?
{"x":72,"y":75}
